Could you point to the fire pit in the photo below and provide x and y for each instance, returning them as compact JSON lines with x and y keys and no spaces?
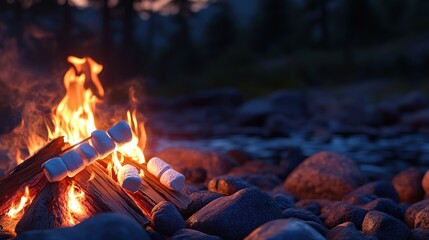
{"x":29,"y":201}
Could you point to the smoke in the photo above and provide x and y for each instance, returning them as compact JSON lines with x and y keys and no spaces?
{"x":26,"y":99}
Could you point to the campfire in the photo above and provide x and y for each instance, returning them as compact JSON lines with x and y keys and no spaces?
{"x":31,"y":199}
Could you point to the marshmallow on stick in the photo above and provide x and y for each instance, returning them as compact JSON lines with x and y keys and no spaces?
{"x":73,"y":162}
{"x":55,"y":169}
{"x":156,"y":166}
{"x":129,"y":178}
{"x":173,"y":179}
{"x":102,"y":143}
{"x":120,"y":133}
{"x":87,"y":153}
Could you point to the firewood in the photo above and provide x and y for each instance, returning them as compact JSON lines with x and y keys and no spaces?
{"x":22,"y":174}
{"x":47,"y":209}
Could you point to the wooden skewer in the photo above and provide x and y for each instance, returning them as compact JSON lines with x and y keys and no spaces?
{"x":76,"y":144}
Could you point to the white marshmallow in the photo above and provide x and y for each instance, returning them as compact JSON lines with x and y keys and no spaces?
{"x":55,"y":170}
{"x":129,"y":179}
{"x":102,"y":143}
{"x":120,"y":133}
{"x":87,"y":153}
{"x":156,"y":166}
{"x":73,"y":162}
{"x":173,"y":179}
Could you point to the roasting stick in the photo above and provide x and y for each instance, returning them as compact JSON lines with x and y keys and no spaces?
{"x":76,"y":144}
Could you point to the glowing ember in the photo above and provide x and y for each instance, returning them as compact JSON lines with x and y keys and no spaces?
{"x":16,"y":210}
{"x":75,"y":209}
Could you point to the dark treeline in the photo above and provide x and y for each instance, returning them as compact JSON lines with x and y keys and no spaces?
{"x":282,"y":43}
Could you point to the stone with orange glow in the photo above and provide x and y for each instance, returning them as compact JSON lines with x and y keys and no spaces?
{"x":173,"y":180}
{"x":87,"y":153}
{"x":55,"y":169}
{"x":102,"y":143}
{"x":73,"y":162}
{"x":120,"y":133}
{"x":156,"y":166}
{"x":129,"y":178}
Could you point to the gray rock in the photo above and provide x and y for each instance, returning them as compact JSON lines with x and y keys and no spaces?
{"x":326,"y":175}
{"x":285,"y":229}
{"x":166,"y":219}
{"x":227,"y":185}
{"x":235,"y":216}
{"x":199,"y":200}
{"x":408,"y":185}
{"x":185,"y":234}
{"x":106,"y":226}
{"x":384,"y":226}
{"x":346,"y":231}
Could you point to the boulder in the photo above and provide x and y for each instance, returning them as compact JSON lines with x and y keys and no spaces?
{"x":326,"y":175}
{"x":235,"y":216}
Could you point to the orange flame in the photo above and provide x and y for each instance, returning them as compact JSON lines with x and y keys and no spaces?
{"x":73,"y":118}
{"x":16,"y":210}
{"x":74,"y":207}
